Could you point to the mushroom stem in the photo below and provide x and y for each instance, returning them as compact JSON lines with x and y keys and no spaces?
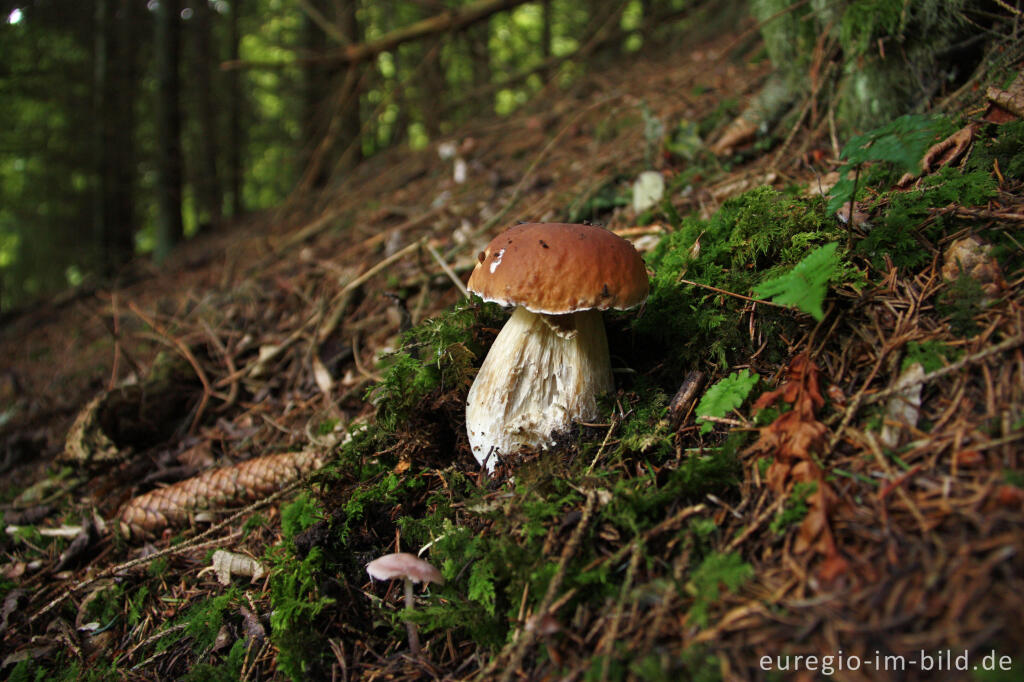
{"x":542,"y":373}
{"x":410,"y":627}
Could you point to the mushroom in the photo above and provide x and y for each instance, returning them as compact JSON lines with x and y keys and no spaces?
{"x":411,"y":569}
{"x":550,"y":361}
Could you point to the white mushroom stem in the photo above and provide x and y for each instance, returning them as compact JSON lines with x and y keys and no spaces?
{"x":543,"y":373}
{"x":410,"y":627}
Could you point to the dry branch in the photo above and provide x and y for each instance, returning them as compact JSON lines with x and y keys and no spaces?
{"x":450,"y":20}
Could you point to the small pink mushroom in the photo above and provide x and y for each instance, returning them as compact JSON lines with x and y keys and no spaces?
{"x":411,"y":569}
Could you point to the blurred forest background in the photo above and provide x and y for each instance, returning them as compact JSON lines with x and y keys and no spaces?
{"x":128,"y":125}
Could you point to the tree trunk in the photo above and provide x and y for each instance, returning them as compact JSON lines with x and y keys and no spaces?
{"x":349,"y":141}
{"x":545,"y":30}
{"x":236,"y":134}
{"x":448,"y":21}
{"x":208,"y":186}
{"x":115,"y":83}
{"x":433,"y":87}
{"x":332,"y":123}
{"x":169,"y":230}
{"x":479,"y":38}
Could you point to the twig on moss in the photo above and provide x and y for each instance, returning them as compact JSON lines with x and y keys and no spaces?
{"x":608,"y":640}
{"x":730,"y":293}
{"x":604,"y":443}
{"x":529,"y":636}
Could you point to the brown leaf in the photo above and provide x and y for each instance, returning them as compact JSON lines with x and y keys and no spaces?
{"x":1010,"y":496}
{"x":740,"y":132}
{"x":833,"y":567}
{"x":968,"y":458}
{"x":943,"y":153}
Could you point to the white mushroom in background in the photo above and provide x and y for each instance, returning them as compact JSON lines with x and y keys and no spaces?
{"x":550,"y":361}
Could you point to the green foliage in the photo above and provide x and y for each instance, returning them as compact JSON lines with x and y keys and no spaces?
{"x":383,"y":491}
{"x":795,"y":507}
{"x":717,"y":570}
{"x":754,"y":235}
{"x":901,"y":142}
{"x":643,"y":428}
{"x":299,"y":515}
{"x":932,"y":355}
{"x":806,"y":284}
{"x":866,"y":20}
{"x":228,"y":670}
{"x":101,"y":670}
{"x":1006,"y":149}
{"x":203,"y":620}
{"x":437,"y":355}
{"x":725,"y":396}
{"x":896,"y":233}
{"x":701,"y":666}
{"x":1014,"y":477}
{"x":960,"y":302}
{"x":481,"y":586}
{"x":638,"y":502}
{"x":116,"y":600}
{"x":296,"y":602}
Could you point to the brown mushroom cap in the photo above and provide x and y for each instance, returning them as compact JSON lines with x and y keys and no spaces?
{"x":558,"y":268}
{"x":403,"y":565}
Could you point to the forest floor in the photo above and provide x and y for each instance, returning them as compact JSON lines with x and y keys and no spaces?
{"x":294,"y":384}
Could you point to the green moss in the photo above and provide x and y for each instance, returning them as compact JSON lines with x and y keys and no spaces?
{"x":795,"y":508}
{"x":1005,"y":149}
{"x":714,"y":573}
{"x":228,"y":670}
{"x":960,"y":302}
{"x":932,"y":355}
{"x":436,"y":356}
{"x":299,"y":515}
{"x":906,"y":216}
{"x":296,"y":602}
{"x":752,"y":237}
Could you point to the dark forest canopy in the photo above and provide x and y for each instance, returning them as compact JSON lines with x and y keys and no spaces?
{"x":128,"y":126}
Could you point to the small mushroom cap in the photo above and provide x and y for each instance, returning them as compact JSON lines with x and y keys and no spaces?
{"x":404,"y":565}
{"x":558,"y":268}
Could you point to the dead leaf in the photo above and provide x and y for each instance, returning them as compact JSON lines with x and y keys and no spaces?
{"x":968,"y":459}
{"x":323,"y":378}
{"x":254,"y":630}
{"x":740,"y":132}
{"x":903,"y":408}
{"x":197,"y":457}
{"x":226,"y":564}
{"x":943,"y":153}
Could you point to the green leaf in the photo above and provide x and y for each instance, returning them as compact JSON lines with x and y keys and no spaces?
{"x":725,"y":396}
{"x":902,"y":142}
{"x":481,"y":585}
{"x":806,"y":284}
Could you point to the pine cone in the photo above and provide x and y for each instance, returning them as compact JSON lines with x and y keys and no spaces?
{"x":147,"y":514}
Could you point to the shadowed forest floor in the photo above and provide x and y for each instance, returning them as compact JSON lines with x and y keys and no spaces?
{"x":865,"y":501}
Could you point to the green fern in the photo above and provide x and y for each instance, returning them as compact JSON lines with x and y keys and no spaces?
{"x":902,"y":142}
{"x":806,"y":284}
{"x":706,"y":584}
{"x":724,"y":397}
